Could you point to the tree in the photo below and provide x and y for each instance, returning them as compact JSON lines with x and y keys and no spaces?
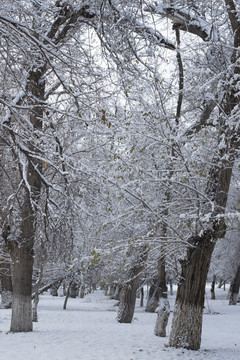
{"x":190,"y":295}
{"x":23,"y":130}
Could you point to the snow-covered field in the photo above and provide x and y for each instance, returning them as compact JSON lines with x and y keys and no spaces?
{"x":88,"y":330}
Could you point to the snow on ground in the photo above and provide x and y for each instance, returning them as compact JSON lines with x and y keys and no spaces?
{"x":88,"y":330}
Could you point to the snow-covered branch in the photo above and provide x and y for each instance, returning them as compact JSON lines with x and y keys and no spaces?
{"x":185,"y":20}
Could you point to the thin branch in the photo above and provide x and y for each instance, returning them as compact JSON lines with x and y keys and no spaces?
{"x":181,"y":78}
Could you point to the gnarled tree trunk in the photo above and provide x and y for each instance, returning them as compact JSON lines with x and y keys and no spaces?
{"x":129,"y":289}
{"x":187,"y":318}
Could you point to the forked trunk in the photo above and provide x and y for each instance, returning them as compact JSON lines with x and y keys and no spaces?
{"x":187,"y":317}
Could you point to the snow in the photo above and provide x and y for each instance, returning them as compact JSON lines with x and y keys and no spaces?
{"x":88,"y":330}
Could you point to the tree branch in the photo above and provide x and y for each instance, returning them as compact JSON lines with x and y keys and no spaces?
{"x":184,"y":20}
{"x":181,"y":78}
{"x":196,"y":127}
{"x":235,"y":21}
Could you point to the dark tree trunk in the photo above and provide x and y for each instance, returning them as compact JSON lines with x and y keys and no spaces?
{"x":158,"y":288}
{"x":22,"y":257}
{"x":152,"y":295}
{"x":220,"y":284}
{"x":127,"y":302}
{"x":141,"y":296}
{"x":21,"y":249}
{"x":213,"y":297}
{"x":74,"y":290}
{"x":67,"y":296}
{"x":171,"y":286}
{"x":187,"y":318}
{"x":129,"y":289}
{"x":234,"y":288}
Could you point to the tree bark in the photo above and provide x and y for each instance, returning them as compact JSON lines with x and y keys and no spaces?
{"x":129,"y":289}
{"x":187,"y":318}
{"x":158,"y":289}
{"x":234,"y":288}
{"x":162,"y":319}
{"x":141,"y":296}
{"x":67,"y":296}
{"x":22,"y":257}
{"x":21,"y":248}
{"x":213,"y":297}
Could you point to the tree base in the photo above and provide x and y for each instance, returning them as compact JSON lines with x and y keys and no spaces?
{"x":186,"y":327}
{"x":21,"y":314}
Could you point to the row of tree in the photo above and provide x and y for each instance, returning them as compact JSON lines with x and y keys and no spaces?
{"x":119,"y":146}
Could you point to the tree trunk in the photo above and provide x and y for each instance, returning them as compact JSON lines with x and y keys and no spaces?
{"x":67,"y":296}
{"x":159,"y":288}
{"x":162,"y":319}
{"x":36,"y":296}
{"x":127,"y":302}
{"x":22,"y":287}
{"x":141,"y":297}
{"x":234,"y":288}
{"x":73,"y":290}
{"x":213,"y":297}
{"x":82,"y":291}
{"x":171,"y":286}
{"x":117,"y":293}
{"x":21,"y":247}
{"x":187,"y":318}
{"x":129,"y":289}
{"x":152,"y":296}
{"x":112,"y":290}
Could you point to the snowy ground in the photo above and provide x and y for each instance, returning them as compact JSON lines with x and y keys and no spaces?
{"x":88,"y":330}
